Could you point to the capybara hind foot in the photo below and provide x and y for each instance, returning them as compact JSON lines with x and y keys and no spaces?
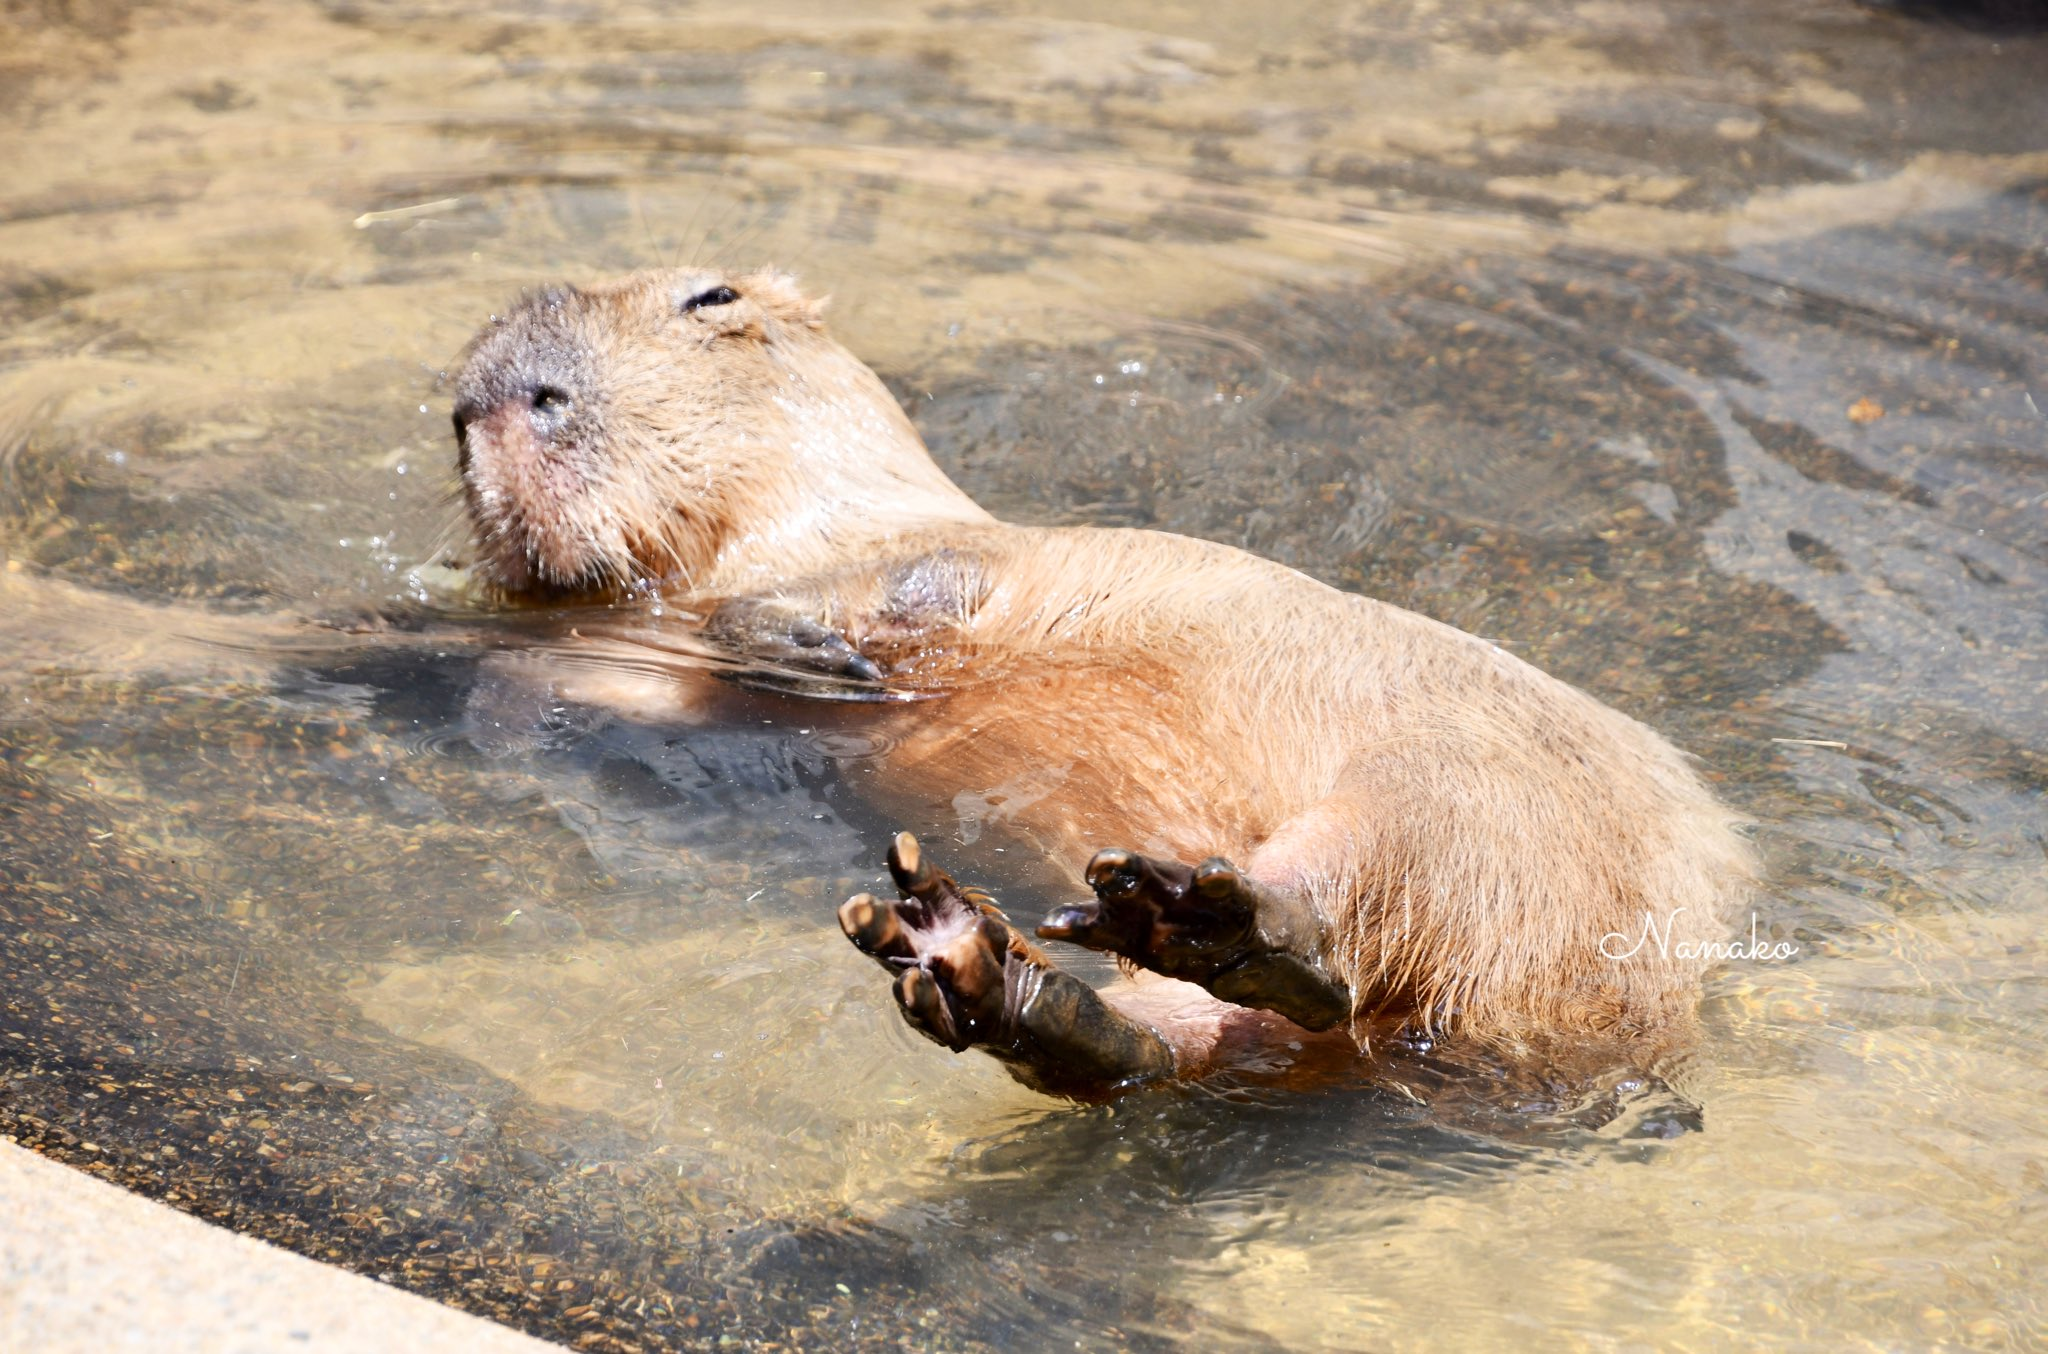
{"x":1206,"y":924}
{"x":966,"y":978}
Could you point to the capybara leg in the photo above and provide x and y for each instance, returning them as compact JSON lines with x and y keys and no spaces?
{"x":1208,"y":924}
{"x":967,"y":978}
{"x":774,"y":631}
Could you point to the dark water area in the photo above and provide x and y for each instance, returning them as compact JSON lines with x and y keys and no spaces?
{"x":1694,"y":353}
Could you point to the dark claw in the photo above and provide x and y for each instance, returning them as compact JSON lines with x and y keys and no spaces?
{"x":823,"y":650}
{"x":1100,"y":926}
{"x":1216,"y":878}
{"x":914,"y":875}
{"x":1114,"y":874}
{"x":873,"y":927}
{"x":771,"y":631}
{"x":917,"y":992}
{"x":1069,"y":920}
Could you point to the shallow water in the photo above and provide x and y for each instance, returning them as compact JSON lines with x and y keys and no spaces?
{"x":1692,"y":351}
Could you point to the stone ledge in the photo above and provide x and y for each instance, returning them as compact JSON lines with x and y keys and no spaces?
{"x":88,"y":1267}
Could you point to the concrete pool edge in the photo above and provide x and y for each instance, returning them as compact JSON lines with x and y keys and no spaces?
{"x":88,"y":1266}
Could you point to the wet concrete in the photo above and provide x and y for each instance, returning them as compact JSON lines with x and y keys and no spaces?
{"x":185,"y":1287}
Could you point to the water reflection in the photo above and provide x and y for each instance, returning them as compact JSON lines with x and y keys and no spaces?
{"x":1691,"y":352}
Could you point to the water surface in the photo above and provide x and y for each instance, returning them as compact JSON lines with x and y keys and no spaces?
{"x":1692,"y":351}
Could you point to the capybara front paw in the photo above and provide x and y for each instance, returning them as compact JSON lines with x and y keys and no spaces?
{"x":1205,"y":924}
{"x":966,"y":978}
{"x":772,"y":631}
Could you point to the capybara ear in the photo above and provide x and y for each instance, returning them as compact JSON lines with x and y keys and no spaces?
{"x":777,"y":293}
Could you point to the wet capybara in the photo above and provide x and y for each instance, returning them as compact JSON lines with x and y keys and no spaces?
{"x":1295,"y":809}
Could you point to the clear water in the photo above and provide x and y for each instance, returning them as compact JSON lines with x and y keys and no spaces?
{"x":1692,"y":351}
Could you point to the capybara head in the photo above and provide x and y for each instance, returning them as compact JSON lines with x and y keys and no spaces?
{"x":614,"y":435}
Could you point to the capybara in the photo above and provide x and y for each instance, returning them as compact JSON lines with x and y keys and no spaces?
{"x":1308,"y":810}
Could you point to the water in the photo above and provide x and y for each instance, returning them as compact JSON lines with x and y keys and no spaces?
{"x":1693,"y":352}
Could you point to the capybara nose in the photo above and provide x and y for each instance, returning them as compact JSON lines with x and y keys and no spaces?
{"x":551,"y":405}
{"x":547,"y":407}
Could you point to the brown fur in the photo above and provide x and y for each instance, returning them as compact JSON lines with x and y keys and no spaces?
{"x":1467,"y":828}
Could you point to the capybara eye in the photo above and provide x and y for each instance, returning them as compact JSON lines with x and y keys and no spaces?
{"x":550,"y":399}
{"x":716,"y":296}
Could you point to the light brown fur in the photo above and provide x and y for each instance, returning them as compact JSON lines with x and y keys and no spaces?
{"x":1466,"y":828}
